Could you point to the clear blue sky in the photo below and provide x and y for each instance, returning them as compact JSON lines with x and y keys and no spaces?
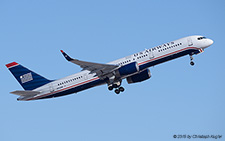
{"x":178,"y":99}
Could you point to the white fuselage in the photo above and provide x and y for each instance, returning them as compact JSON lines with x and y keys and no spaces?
{"x":145,"y":59}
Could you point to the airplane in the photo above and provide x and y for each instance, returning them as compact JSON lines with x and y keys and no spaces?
{"x":134,"y":68}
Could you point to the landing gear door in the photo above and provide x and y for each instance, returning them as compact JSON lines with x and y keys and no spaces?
{"x":190,"y":43}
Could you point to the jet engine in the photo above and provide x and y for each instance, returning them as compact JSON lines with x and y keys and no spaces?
{"x":144,"y":75}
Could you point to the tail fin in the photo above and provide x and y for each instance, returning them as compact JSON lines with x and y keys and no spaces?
{"x":28,"y":79}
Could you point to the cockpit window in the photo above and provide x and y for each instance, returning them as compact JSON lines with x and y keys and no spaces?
{"x":200,"y":38}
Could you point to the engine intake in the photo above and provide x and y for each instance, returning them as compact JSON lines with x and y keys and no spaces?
{"x":144,"y":75}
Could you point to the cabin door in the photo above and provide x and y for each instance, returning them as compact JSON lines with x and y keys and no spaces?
{"x":151,"y":54}
{"x":190,"y":43}
{"x":85,"y":76}
{"x":51,"y":89}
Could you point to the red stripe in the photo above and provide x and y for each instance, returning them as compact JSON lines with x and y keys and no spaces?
{"x":98,"y":78}
{"x":64,"y":89}
{"x":167,"y":55}
{"x":11,"y":64}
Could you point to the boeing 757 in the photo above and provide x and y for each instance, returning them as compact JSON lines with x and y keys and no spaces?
{"x":133,"y":68}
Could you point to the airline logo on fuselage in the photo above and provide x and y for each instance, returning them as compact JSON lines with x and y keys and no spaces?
{"x":26,"y":77}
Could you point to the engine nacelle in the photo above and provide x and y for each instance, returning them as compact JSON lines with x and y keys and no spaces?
{"x":128,"y":69}
{"x":144,"y":75}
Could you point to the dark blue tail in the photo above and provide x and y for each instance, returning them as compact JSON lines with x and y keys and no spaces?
{"x":28,"y":79}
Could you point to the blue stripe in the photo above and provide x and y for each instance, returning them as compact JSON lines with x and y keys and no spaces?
{"x":77,"y":89}
{"x":167,"y":58}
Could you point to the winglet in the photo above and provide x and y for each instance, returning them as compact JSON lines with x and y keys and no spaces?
{"x":10,"y":65}
{"x":68,"y":58}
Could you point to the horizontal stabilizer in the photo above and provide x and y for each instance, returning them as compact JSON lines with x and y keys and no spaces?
{"x":25,"y":93}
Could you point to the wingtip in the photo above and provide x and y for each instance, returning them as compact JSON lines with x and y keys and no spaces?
{"x":66,"y":56}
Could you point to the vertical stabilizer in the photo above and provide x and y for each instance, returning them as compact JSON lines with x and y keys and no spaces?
{"x":28,"y":79}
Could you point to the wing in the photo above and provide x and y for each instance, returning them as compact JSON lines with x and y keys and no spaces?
{"x":99,"y":69}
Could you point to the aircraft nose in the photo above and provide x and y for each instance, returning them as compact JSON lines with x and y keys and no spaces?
{"x":210,"y":42}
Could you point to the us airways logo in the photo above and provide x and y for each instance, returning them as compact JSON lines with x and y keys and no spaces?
{"x":26,"y":77}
